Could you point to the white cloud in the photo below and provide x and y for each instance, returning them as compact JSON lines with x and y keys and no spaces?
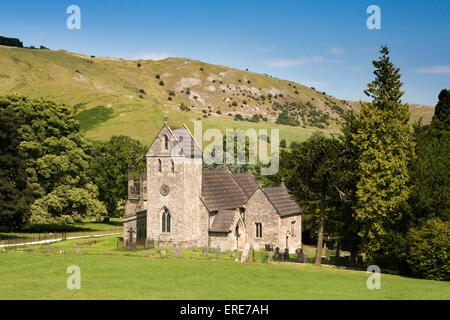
{"x":337,"y":50}
{"x":149,"y":56}
{"x":435,"y":70}
{"x":264,"y":49}
{"x":294,"y":62}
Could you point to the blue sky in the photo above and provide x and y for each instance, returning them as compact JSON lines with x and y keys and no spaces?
{"x":325,"y":44}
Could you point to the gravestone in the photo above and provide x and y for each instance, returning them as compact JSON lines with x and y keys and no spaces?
{"x":302,"y":258}
{"x":218,"y":254}
{"x":286,"y":254}
{"x":162,"y":253}
{"x":149,"y":255}
{"x":151,"y":243}
{"x":205,"y":251}
{"x":78,"y":250}
{"x":177,"y":252}
{"x":4,"y":249}
{"x":327,"y":253}
{"x":277,"y":254}
{"x":48,"y":249}
{"x":61,"y":251}
{"x":269,"y":258}
{"x":298,"y":252}
{"x":244,"y":257}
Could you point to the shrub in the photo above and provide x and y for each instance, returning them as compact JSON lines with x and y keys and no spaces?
{"x":195,"y":97}
{"x":294,"y":144}
{"x":188,"y":91}
{"x":171,"y":93}
{"x":142,"y":91}
{"x":157,"y":76}
{"x":161,"y":83}
{"x":219,"y":112}
{"x":201,"y":69}
{"x":282,"y":143}
{"x":429,"y":248}
{"x":234,"y":103}
{"x":254,"y":118}
{"x":239,"y":117}
{"x":138,"y":65}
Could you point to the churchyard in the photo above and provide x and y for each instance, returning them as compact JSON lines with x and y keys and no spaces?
{"x":40,"y":272}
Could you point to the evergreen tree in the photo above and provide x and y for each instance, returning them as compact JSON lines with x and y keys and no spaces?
{"x":315,"y":171}
{"x":385,"y":149}
{"x":430,"y":196}
{"x":15,"y":197}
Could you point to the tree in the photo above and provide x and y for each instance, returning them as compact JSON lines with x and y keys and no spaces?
{"x":56,"y":162}
{"x":430,"y":171}
{"x":315,"y":169}
{"x":429,"y":248}
{"x":15,"y":197}
{"x":111,"y":162}
{"x":385,"y":149}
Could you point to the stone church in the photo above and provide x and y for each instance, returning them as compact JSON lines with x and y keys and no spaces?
{"x":178,"y":203}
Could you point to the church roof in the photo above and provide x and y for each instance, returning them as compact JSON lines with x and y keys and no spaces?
{"x":221,"y":191}
{"x":223,"y":221}
{"x":247,"y":183}
{"x":282,"y":201}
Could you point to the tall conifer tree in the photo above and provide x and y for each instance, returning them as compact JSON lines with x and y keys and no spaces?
{"x":385,"y":143}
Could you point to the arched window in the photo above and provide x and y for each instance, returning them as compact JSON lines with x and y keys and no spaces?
{"x":173,"y":166}
{"x":165,"y":220}
{"x":159,"y":165}
{"x":166,"y":142}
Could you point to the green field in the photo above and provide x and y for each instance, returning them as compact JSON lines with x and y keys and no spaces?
{"x":31,"y":273}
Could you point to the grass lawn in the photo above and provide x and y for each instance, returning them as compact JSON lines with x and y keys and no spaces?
{"x":109,"y":274}
{"x":37,"y":231}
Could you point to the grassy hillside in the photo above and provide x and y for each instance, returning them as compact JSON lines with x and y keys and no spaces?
{"x":115,"y":96}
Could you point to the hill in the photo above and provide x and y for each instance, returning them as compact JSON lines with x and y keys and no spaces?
{"x":116,"y":96}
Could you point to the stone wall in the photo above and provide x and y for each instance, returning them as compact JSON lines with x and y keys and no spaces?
{"x":260,"y":210}
{"x":286,"y":229}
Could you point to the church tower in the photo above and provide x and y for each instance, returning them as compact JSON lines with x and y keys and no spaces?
{"x":174,"y":182}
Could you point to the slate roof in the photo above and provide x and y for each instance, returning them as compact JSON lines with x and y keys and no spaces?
{"x":222,"y":221}
{"x":247,"y":183}
{"x":282,"y":201}
{"x":221,"y":191}
{"x":186,"y":141}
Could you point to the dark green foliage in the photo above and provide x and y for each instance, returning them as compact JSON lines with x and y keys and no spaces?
{"x":139,"y":65}
{"x":110,"y":164}
{"x":11,"y":42}
{"x":283,"y":143}
{"x":315,"y":172}
{"x":254,"y":118}
{"x":157,"y":76}
{"x":161,"y":83}
{"x":56,"y":162}
{"x":184,"y":108}
{"x":239,"y":117}
{"x":429,"y":250}
{"x":15,"y":197}
{"x":91,"y":118}
{"x":285,"y":119}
